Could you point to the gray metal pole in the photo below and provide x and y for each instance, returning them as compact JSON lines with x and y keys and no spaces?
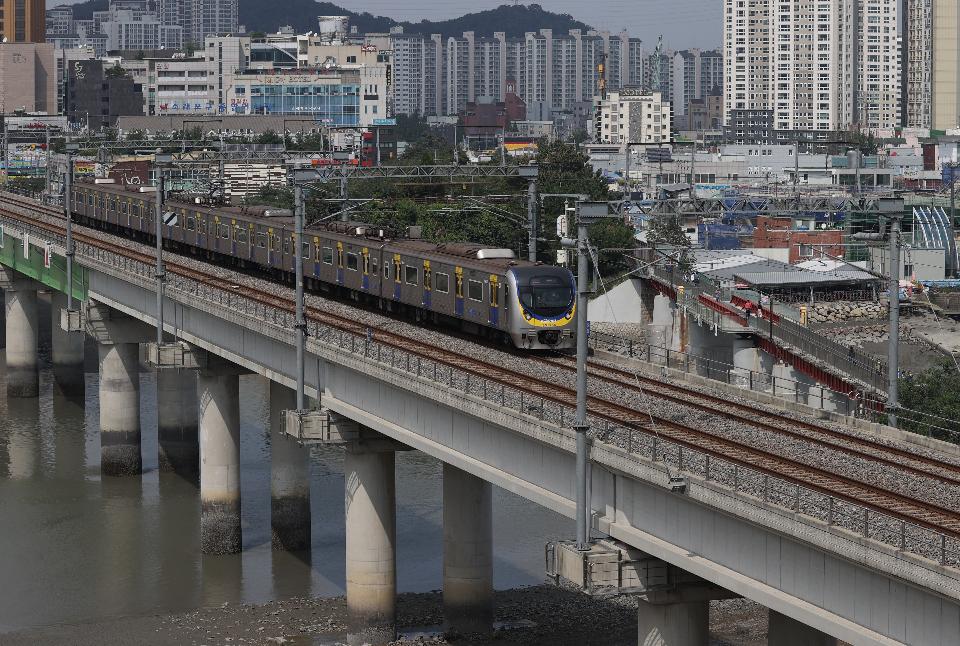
{"x":893,"y":349}
{"x":580,"y":424}
{"x":68,"y":213}
{"x":532,"y":220}
{"x":343,"y":196}
{"x":626,"y":179}
{"x":301,"y":321}
{"x":159,"y":236}
{"x":47,"y":162}
{"x":951,"y":237}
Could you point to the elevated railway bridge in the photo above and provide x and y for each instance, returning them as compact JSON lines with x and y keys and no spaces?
{"x":684,"y":512}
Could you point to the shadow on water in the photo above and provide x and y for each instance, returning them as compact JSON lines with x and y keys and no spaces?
{"x":75,"y":547}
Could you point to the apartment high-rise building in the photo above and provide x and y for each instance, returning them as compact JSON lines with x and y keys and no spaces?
{"x":28,"y":76}
{"x":695,"y":75}
{"x":819,"y":65}
{"x":933,"y":64}
{"x":23,"y":21}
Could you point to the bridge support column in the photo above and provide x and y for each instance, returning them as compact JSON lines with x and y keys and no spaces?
{"x":746,"y":362}
{"x":66,"y":352}
{"x":369,"y":477}
{"x":467,"y":552}
{"x":786,"y":383}
{"x":218,"y":392}
{"x":289,"y":478}
{"x":120,"y":409}
{"x":177,"y":435}
{"x":784,"y":631}
{"x":661,"y":329}
{"x":674,"y":624}
{"x":21,"y":331}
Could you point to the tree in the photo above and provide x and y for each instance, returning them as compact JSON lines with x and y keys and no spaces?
{"x":665,"y":230}
{"x":612,"y":234}
{"x":935,"y":391}
{"x":115,"y":72}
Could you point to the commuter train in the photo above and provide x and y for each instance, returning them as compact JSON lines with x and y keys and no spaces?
{"x":483,"y":291}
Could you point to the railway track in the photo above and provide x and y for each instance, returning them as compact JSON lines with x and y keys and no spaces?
{"x":901,"y":507}
{"x":861,"y":447}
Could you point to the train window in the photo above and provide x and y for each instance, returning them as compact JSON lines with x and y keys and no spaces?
{"x":135,"y":210}
{"x":459,"y":285}
{"x":305,"y":250}
{"x":113,"y":204}
{"x":366,"y":264}
{"x":340,"y":255}
{"x":475,"y":290}
{"x":386,"y":271}
{"x":353,"y":263}
{"x":90,"y":199}
{"x":123,"y":207}
{"x":328,"y":255}
{"x":373,"y":266}
{"x":442,"y":283}
{"x":223,"y":231}
{"x":191,"y":224}
{"x":286,"y":245}
{"x":427,"y":278}
{"x":494,"y":293}
{"x":261,"y":239}
{"x":411,"y":275}
{"x":242,"y":236}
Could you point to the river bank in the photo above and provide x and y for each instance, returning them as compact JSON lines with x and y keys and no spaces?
{"x":537,"y":615}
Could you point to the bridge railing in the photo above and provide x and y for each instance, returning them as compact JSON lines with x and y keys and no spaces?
{"x":844,"y":359}
{"x":645,"y":442}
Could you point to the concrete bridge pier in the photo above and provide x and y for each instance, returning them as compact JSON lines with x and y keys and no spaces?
{"x":673,"y":624}
{"x":784,"y":631}
{"x":289,"y":478}
{"x":369,"y":479}
{"x":66,"y":352}
{"x":20,"y":296}
{"x":177,"y":434}
{"x":467,"y":552}
{"x":118,"y":337}
{"x":661,"y":328}
{"x":218,"y":392}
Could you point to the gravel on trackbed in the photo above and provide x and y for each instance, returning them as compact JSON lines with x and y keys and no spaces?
{"x":535,"y":616}
{"x":866,"y":471}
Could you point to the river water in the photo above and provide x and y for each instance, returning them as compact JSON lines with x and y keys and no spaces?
{"x":75,"y":547}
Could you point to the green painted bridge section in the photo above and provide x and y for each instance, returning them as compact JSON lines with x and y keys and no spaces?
{"x":31,"y":260}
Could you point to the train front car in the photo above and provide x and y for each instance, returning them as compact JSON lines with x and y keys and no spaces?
{"x":543,"y":307}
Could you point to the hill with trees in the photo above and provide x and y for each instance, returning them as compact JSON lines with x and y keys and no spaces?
{"x":259,"y":16}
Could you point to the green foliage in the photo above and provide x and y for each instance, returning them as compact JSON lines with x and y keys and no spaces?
{"x":615,"y":237}
{"x":935,"y":391}
{"x":666,"y":232}
{"x":115,"y":72}
{"x":268,"y":137}
{"x":865,"y":142}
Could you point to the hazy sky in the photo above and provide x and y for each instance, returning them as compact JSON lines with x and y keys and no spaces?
{"x":683,"y":23}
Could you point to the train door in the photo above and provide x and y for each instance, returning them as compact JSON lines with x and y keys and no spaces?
{"x":216,"y":233}
{"x":270,"y":244}
{"x":494,"y":312}
{"x":233,"y":238}
{"x":396,"y":277}
{"x":339,"y":263}
{"x":251,"y":241}
{"x":316,"y":257}
{"x":458,"y":300}
{"x":427,"y":285}
{"x":365,"y":266}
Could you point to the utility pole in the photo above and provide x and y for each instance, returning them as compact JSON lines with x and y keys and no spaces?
{"x":68,"y":212}
{"x":580,"y":424}
{"x":301,"y":322}
{"x":532,"y":220}
{"x":343,"y":198}
{"x":893,"y":347}
{"x":159,"y":272}
{"x":47,"y":161}
{"x":6,"y":153}
{"x":951,"y":225}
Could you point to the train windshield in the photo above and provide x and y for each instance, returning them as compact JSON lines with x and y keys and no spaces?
{"x":547,"y":295}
